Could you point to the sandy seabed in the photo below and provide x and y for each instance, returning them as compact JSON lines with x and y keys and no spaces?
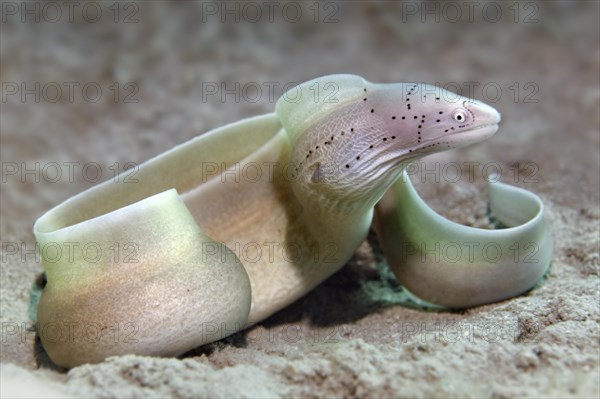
{"x":357,"y":334}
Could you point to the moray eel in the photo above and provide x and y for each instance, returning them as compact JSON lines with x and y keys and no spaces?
{"x":223,"y":231}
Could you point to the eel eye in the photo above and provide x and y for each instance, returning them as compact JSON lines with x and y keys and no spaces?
{"x":459,"y":115}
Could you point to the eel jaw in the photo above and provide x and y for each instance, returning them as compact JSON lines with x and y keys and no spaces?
{"x":472,"y":136}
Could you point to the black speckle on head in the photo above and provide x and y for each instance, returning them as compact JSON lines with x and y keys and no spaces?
{"x":393,"y":117}
{"x":440,"y":112}
{"x":415,"y":117}
{"x":371,"y":146}
{"x":372,"y":110}
{"x":347,"y":166}
{"x":404,"y":117}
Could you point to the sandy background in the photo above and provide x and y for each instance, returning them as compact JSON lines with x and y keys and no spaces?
{"x":357,"y":334}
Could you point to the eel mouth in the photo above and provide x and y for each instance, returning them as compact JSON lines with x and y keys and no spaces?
{"x":474,"y":135}
{"x":461,"y":138}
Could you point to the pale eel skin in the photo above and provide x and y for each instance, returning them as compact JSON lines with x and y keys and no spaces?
{"x":456,"y":266}
{"x":238,"y":223}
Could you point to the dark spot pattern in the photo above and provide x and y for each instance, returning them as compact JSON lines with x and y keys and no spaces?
{"x":420,"y":126}
{"x":403,"y":117}
{"x":409,"y":94}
